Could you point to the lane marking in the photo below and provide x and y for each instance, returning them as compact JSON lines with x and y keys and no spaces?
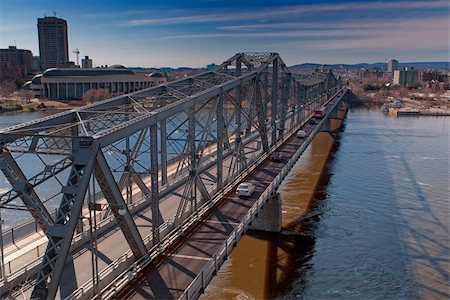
{"x":189,"y":256}
{"x":220,"y":222}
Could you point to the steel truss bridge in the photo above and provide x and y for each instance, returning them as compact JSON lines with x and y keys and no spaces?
{"x":180,"y":144}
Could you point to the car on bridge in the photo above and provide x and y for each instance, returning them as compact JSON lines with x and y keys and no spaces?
{"x":301,"y":134}
{"x":245,"y":189}
{"x":276,"y":156}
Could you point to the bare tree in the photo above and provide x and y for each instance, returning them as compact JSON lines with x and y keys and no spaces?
{"x":6,"y":89}
{"x":96,"y":95}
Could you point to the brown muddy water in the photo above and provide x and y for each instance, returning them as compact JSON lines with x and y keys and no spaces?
{"x":370,"y":217}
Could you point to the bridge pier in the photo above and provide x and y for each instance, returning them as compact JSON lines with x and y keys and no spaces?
{"x":269,"y":217}
{"x":335,"y":120}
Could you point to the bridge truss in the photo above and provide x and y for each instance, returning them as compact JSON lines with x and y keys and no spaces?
{"x":185,"y":139}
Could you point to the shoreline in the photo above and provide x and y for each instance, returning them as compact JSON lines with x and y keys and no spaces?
{"x":409,"y":107}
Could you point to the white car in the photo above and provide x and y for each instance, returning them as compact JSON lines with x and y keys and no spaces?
{"x":301,"y":134}
{"x":245,"y":189}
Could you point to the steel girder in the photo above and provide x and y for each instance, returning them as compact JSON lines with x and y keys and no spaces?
{"x":184,"y":140}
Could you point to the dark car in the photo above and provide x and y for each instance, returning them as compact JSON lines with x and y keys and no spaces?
{"x":276,"y":156}
{"x":312,"y":122}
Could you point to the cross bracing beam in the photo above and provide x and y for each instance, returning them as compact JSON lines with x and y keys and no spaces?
{"x":184,"y":139}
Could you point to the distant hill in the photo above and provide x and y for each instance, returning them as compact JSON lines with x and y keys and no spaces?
{"x":415,"y":65}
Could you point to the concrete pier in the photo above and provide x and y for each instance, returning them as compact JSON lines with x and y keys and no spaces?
{"x":269,"y":217}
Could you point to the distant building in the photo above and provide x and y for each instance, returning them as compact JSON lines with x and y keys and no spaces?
{"x":428,"y":75}
{"x":86,"y":63}
{"x":53,"y":42}
{"x":15,"y":63}
{"x":36,"y":63}
{"x":211,"y":67}
{"x":72,"y":84}
{"x":392,"y":65}
{"x":407,"y":77}
{"x":374,"y":73}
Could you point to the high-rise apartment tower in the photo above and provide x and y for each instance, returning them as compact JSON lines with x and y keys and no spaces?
{"x":53,"y":43}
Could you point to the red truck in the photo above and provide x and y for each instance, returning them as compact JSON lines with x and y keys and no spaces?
{"x":319,"y":113}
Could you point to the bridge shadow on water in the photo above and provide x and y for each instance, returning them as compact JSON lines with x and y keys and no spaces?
{"x":289,"y":253}
{"x":429,"y":250}
{"x":375,"y":241}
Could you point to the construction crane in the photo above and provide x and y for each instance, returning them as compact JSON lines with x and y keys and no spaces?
{"x":77,"y":52}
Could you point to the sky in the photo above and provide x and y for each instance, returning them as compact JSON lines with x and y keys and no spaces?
{"x":167,"y":33}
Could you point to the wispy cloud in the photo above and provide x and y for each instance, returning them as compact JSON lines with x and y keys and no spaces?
{"x":429,"y":22}
{"x":286,"y":11}
{"x":407,"y":36}
{"x":414,"y":34}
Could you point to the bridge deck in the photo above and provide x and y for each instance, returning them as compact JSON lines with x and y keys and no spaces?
{"x":174,"y":272}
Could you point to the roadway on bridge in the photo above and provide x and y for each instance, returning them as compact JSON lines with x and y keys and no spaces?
{"x":176,"y":269}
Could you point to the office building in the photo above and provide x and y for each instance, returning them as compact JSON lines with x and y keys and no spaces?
{"x":53,"y":42}
{"x":392,"y":65}
{"x":72,"y":84}
{"x":86,"y":63}
{"x":15,"y":63}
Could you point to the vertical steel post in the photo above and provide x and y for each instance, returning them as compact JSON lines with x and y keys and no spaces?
{"x":128,"y":170}
{"x":220,"y":129}
{"x":274,"y":100}
{"x":238,"y":147}
{"x":193,"y":157}
{"x":262,"y":116}
{"x":284,"y":102}
{"x":163,"y":137}
{"x":154,"y":182}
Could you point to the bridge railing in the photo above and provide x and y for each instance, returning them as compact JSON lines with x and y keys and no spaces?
{"x":208,"y":272}
{"x":123,"y":270}
{"x":121,"y":280}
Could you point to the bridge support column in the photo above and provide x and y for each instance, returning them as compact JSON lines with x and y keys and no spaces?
{"x":269,"y":217}
{"x":335,"y":120}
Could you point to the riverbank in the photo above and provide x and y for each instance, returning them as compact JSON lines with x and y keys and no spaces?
{"x":403,"y":106}
{"x":19,"y":105}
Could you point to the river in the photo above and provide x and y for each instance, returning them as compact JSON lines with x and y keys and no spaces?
{"x":375,"y":225}
{"x":368,"y":221}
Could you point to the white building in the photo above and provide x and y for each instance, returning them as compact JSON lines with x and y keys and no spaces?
{"x":72,"y":84}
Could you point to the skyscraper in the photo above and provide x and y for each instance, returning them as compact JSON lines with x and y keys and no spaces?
{"x":53,"y":43}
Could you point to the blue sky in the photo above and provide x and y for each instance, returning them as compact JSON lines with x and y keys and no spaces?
{"x":194,"y":33}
